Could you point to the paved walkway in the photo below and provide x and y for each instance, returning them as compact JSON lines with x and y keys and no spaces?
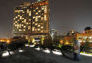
{"x":30,"y":55}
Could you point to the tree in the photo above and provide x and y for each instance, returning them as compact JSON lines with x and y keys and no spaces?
{"x":87,"y":28}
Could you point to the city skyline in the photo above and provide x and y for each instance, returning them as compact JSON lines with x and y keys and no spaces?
{"x":65,"y":15}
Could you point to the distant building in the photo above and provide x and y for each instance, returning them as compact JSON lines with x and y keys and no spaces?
{"x":72,"y":32}
{"x":88,"y":31}
{"x":5,"y":40}
{"x":31,"y":19}
{"x":85,"y":37}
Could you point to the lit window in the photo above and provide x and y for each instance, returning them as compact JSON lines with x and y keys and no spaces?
{"x":24,"y":20}
{"x":33,"y":28}
{"x":24,"y":30}
{"x":39,"y":11}
{"x":29,"y":27}
{"x":33,"y":17}
{"x":45,"y":17}
{"x":37,"y":8}
{"x":17,"y":25}
{"x":38,"y":29}
{"x":27,"y":23}
{"x":39,"y":25}
{"x":30,"y":13}
{"x":20,"y":30}
{"x":20,"y":17}
{"x":39,"y":16}
{"x":16,"y":17}
{"x":21,"y":10}
{"x":35,"y":23}
{"x":34,"y":10}
{"x":29,"y":19}
{"x":36,"y":13}
{"x":41,"y":31}
{"x":24,"y":26}
{"x":36,"y":19}
{"x":16,"y":10}
{"x":27,"y":10}
{"x":45,"y":10}
{"x":42,"y":18}
{"x":15,"y":21}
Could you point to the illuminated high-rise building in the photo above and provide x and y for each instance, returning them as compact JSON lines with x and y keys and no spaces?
{"x":22,"y":20}
{"x":31,"y":19}
{"x":40,"y":23}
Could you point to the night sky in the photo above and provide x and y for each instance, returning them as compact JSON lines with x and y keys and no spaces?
{"x":65,"y":15}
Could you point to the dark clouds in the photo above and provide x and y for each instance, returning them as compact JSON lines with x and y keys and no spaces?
{"x":65,"y":15}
